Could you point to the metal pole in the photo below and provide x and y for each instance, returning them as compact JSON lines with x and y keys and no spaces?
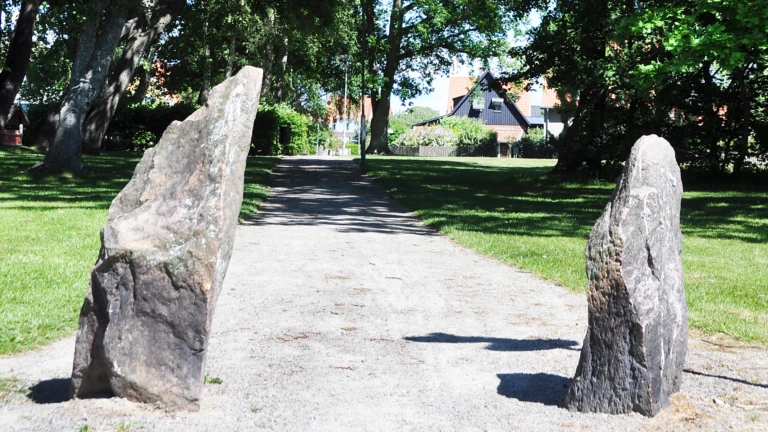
{"x":362,"y":101}
{"x":546,"y":125}
{"x":344,"y":115}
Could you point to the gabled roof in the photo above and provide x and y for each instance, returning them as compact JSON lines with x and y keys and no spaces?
{"x":510,"y":105}
{"x":521,"y":118}
{"x":23,"y":114}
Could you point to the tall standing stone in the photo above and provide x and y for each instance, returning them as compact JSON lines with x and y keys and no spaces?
{"x":145,"y":323}
{"x":634,"y":351}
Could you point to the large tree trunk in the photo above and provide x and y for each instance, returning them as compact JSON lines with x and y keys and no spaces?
{"x":205,"y":86}
{"x":282,"y":87}
{"x":17,"y":61}
{"x":65,"y":154}
{"x":46,"y":134}
{"x":231,"y":54}
{"x":583,"y":142}
{"x":380,"y":120}
{"x":269,"y":57}
{"x":98,"y":121}
{"x":742,"y":145}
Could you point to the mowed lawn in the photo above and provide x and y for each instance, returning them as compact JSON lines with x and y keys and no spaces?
{"x":511,"y":210}
{"x":49,"y":240}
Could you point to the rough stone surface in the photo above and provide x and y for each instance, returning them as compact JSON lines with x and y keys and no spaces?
{"x":145,"y":323}
{"x":633,"y":355}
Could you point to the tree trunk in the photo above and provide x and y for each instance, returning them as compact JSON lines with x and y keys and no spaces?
{"x":583,"y":143}
{"x":17,"y":61}
{"x":205,"y":87}
{"x":380,"y":120}
{"x":65,"y":154}
{"x":231,"y":54}
{"x":45,"y":136}
{"x":742,"y":145}
{"x":269,"y":57}
{"x":283,"y":85}
{"x":98,"y":120}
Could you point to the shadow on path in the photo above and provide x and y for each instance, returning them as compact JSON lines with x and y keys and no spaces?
{"x":499,"y":344}
{"x":332,"y":193}
{"x":50,"y":391}
{"x":540,"y":388}
{"x":727,"y":378}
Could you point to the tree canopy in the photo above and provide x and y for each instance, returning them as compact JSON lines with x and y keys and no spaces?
{"x":693,"y":71}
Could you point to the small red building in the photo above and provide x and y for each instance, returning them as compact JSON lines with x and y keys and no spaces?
{"x":14,"y":126}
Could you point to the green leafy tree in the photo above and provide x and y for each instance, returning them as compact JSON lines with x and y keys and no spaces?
{"x":411,"y":41}
{"x":691,"y":70}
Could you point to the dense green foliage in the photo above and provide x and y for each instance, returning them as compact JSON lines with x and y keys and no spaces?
{"x":470,"y":131}
{"x":304,"y":133}
{"x":50,"y":230}
{"x":451,"y":131}
{"x":533,"y":145}
{"x":693,"y":71}
{"x":428,"y":136}
{"x":401,"y":122}
{"x":512,"y":210}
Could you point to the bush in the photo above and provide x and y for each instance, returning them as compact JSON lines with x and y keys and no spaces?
{"x":532,"y":145}
{"x":266,"y":131}
{"x":139,"y":127}
{"x":428,"y":136}
{"x":452,"y":131}
{"x":398,"y":127}
{"x":469,"y":131}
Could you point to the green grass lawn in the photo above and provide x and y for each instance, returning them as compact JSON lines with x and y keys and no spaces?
{"x":49,"y":240}
{"x":511,"y":210}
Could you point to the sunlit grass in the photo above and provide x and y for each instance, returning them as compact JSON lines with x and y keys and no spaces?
{"x":512,"y":210}
{"x":49,"y":240}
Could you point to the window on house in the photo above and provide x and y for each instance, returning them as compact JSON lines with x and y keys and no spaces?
{"x":536,"y":111}
{"x":496,"y":104}
{"x":478,"y":103}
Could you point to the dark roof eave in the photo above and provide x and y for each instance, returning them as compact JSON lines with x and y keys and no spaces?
{"x":428,"y":121}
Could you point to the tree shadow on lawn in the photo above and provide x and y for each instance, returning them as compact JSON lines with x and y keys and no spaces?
{"x":525,"y":201}
{"x":106,"y":176}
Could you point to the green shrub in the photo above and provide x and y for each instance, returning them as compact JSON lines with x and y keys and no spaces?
{"x":139,"y":127}
{"x":398,"y":126}
{"x":428,"y":136}
{"x":354,"y":149}
{"x":469,"y":131}
{"x":266,"y":131}
{"x":532,"y":145}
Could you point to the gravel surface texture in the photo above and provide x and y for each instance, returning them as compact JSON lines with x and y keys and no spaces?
{"x":341,"y":311}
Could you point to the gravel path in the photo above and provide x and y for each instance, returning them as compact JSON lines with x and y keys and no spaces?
{"x":342,"y":312}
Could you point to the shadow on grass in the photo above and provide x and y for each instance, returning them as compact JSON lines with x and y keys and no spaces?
{"x":525,"y":201}
{"x":106,"y":176}
{"x":498,"y":344}
{"x":540,"y":388}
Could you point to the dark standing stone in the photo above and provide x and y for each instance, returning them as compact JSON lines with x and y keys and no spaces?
{"x":633,"y":355}
{"x":146,"y":320}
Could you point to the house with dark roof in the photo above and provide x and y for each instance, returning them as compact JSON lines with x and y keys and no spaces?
{"x":14,"y":125}
{"x":510,"y":120}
